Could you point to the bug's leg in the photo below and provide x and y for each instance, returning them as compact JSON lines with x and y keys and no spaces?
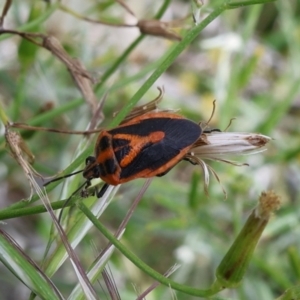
{"x":102,"y":191}
{"x":84,"y":192}
{"x":212,"y":130}
{"x":190,"y":160}
{"x":88,"y":184}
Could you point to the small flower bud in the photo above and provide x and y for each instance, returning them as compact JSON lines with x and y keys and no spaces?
{"x":233,"y":266}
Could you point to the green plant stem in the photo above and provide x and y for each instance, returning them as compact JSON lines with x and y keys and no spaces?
{"x":118,"y":62}
{"x":49,"y":115}
{"x":27,"y":211}
{"x":3,"y":116}
{"x":188,"y":38}
{"x":238,"y":3}
{"x":126,"y":53}
{"x":76,"y":163}
{"x":140,"y":264}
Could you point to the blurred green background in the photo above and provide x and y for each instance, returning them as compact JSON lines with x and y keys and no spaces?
{"x":247,"y":59}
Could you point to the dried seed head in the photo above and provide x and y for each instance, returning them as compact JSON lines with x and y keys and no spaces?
{"x":219,"y":145}
{"x":17,"y":148}
{"x":268,"y":203}
{"x":216,"y":144}
{"x":158,"y":28}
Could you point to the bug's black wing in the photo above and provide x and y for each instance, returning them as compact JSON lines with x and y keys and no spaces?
{"x":179,"y":134}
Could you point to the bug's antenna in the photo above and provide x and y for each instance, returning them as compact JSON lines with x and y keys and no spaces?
{"x":62,"y":177}
{"x":211,"y":116}
{"x":230,"y":122}
{"x":68,"y":200}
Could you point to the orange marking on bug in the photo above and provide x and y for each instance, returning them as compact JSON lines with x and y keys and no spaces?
{"x":137,"y":143}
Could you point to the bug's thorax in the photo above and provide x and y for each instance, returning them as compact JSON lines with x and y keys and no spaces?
{"x":117,"y":151}
{"x":106,"y":163}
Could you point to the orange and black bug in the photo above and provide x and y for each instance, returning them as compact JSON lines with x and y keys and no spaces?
{"x":146,"y":146}
{"x":148,"y":143}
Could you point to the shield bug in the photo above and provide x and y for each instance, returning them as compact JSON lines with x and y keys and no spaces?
{"x":147,"y":143}
{"x":146,"y":146}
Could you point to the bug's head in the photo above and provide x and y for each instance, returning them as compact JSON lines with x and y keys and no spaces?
{"x":91,"y":169}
